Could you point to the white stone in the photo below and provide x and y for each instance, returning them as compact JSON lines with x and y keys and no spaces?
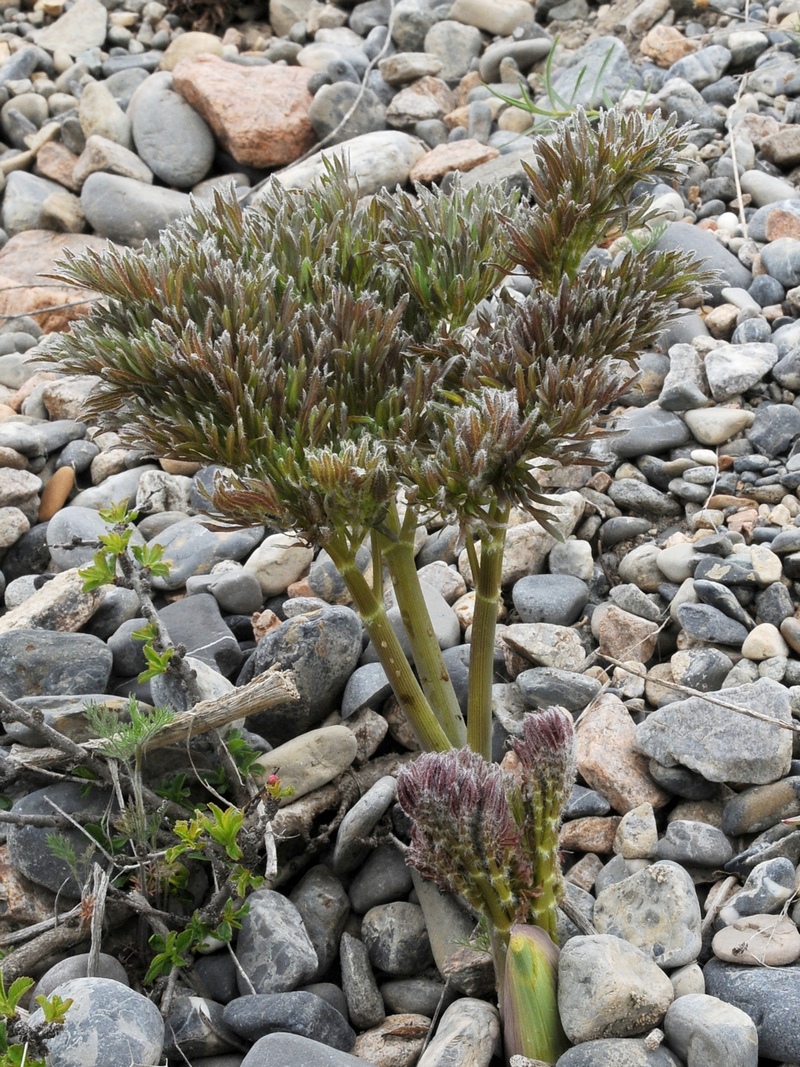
{"x":278,"y":561}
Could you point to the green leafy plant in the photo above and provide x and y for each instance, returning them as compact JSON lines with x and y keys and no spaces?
{"x":20,"y":1044}
{"x":356,"y":367}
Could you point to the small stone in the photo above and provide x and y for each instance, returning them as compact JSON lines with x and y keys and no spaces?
{"x":79,"y":29}
{"x":364,"y":1001}
{"x":295,"y":1011}
{"x":56,"y":493}
{"x":769,"y":995}
{"x":324,"y":907}
{"x":360,"y":821}
{"x":468,"y":1023}
{"x":758,"y":941}
{"x":453,"y":156}
{"x":694,"y":844}
{"x":273,"y":947}
{"x":397,"y":939}
{"x":657,"y":910}
{"x":396,"y":1042}
{"x":637,"y":834}
{"x":311,"y":760}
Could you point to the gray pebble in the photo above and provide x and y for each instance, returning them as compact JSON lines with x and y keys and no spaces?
{"x":397,"y":939}
{"x":298,"y":1012}
{"x":273,"y":947}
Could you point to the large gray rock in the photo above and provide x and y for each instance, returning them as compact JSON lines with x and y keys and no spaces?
{"x":107,"y":1025}
{"x":618,"y":1052}
{"x":720,"y":744}
{"x":322,"y":650}
{"x":769,"y":995}
{"x":291,"y":1050}
{"x":273,"y":947}
{"x":45,"y":662}
{"x":656,"y":909}
{"x":705,"y":1030}
{"x":609,"y":988}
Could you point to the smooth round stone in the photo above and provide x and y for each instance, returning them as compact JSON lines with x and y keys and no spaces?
{"x":681,"y":781}
{"x":190,"y":548}
{"x":544,"y":686}
{"x":756,"y":329}
{"x":715,"y":426}
{"x":112,"y":490}
{"x":456,"y":45}
{"x":637,"y":834}
{"x":24,"y":199}
{"x":647,"y":430}
{"x":694,"y":843}
{"x":345,"y":110}
{"x":703,"y":1029}
{"x":554,"y":598}
{"x":705,"y":623}
{"x":236,"y":592}
{"x":72,"y":536}
{"x":359,"y":822}
{"x":756,"y":809}
{"x":397,"y":939}
{"x":364,"y":1002}
{"x":618,"y":1052}
{"x":781,"y":258}
{"x":118,"y":1024}
{"x":273,"y":947}
{"x":677,"y":563}
{"x":622,"y":528}
{"x":770,"y":996}
{"x":702,"y":68}
{"x":295,"y":1012}
{"x":758,"y":941}
{"x":196,"y":1028}
{"x":637,"y":496}
{"x":129,"y":211}
{"x":585,"y":802}
{"x":764,"y":642}
{"x":76,"y":967}
{"x":312,"y":759}
{"x":366,"y":687}
{"x":790,"y":631}
{"x":385,"y":877}
{"x":573,"y":557}
{"x":278,"y":561}
{"x":288,"y":1050}
{"x":418,"y":996}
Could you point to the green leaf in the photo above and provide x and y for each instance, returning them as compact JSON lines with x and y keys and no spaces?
{"x":101,"y":571}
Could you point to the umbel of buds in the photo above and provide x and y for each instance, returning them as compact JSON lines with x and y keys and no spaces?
{"x":489,"y":833}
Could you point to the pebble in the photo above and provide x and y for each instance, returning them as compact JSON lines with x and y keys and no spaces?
{"x":273,"y":949}
{"x":768,"y":995}
{"x":609,"y":988}
{"x":117,"y":1023}
{"x":758,"y":941}
{"x":656,"y":910}
{"x":704,"y":1029}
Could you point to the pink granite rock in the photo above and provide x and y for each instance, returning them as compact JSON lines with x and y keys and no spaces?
{"x":258,"y":114}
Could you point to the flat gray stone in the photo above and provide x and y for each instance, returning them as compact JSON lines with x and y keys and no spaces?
{"x":273,"y":946}
{"x":720,"y":744}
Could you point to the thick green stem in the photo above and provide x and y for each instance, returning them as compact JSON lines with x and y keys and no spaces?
{"x":433,"y":675}
{"x":484,"y":624}
{"x":406,"y":688}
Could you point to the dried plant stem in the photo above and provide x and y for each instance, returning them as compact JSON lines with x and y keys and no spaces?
{"x":23,"y":959}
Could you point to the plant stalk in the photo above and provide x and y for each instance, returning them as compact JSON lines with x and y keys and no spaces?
{"x":427,"y":655}
{"x":484,"y":624}
{"x":406,"y":688}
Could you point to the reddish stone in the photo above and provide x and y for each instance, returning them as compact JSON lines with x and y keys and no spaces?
{"x":665,"y":45}
{"x":782,"y":224}
{"x":24,"y":288}
{"x":258,"y":114}
{"x":457,"y":155}
{"x":55,"y":161}
{"x":782,"y":148}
